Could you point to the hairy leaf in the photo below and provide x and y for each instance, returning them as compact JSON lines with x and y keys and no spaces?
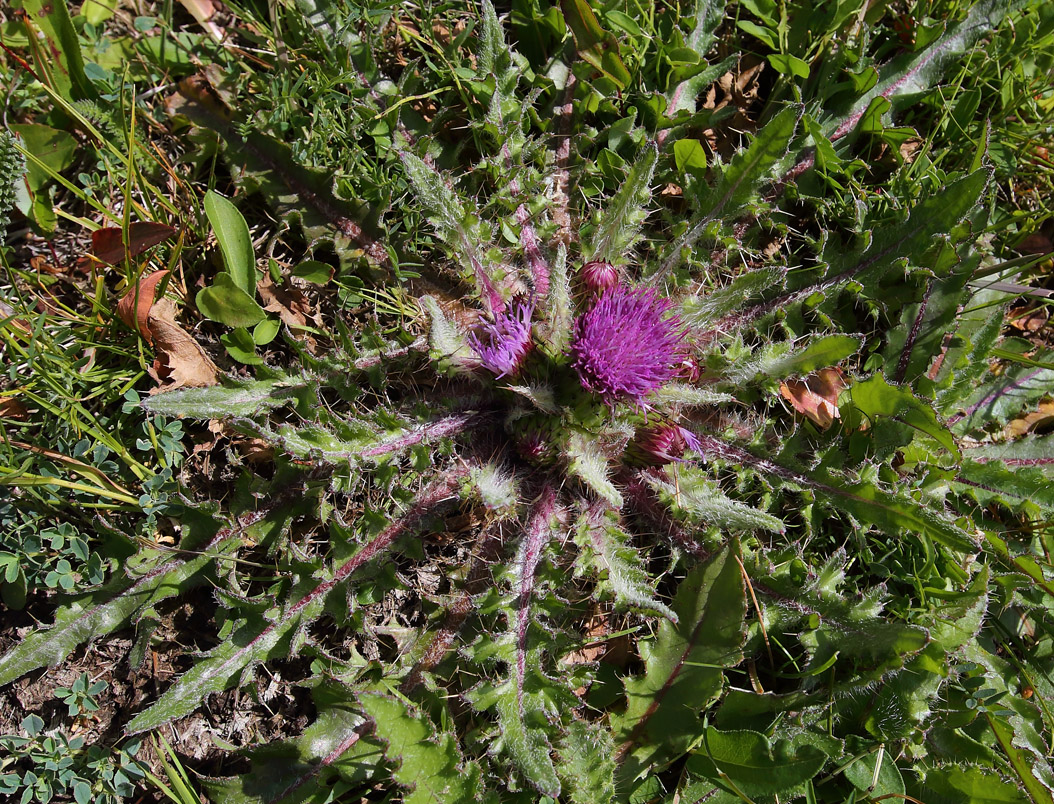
{"x":428,"y":762}
{"x":625,"y":213}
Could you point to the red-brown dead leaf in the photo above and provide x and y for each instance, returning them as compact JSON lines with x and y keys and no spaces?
{"x":1029,"y":319}
{"x":134,"y":306}
{"x":816,"y":397}
{"x":180,"y":359}
{"x":107,"y":244}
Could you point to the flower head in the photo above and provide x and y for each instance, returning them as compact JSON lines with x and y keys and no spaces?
{"x":504,"y":344}
{"x":624,"y":347}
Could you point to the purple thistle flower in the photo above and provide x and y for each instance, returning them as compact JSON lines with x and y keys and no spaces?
{"x":504,"y":344}
{"x":624,"y":348}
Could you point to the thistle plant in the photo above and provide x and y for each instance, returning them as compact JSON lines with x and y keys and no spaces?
{"x":658,"y":581}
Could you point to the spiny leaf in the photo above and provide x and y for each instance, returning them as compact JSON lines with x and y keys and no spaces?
{"x":607,"y":548}
{"x":703,"y":501}
{"x":429,"y":763}
{"x":454,"y":223}
{"x":587,"y":755}
{"x":739,"y":182}
{"x":701,"y":311}
{"x":232,"y":399}
{"x":624,"y":214}
{"x":590,"y":466}
{"x":110,"y":608}
{"x":257,"y":640}
{"x":684,"y":665}
{"x":866,"y":399}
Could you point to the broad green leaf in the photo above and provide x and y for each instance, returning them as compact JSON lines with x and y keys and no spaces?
{"x":684,"y":665}
{"x":225,"y":302}
{"x":622,"y":217}
{"x":877,"y":775}
{"x":55,"y":149}
{"x":229,"y":400}
{"x":1031,"y":768}
{"x":607,"y":548}
{"x":595,"y":45}
{"x":752,"y":763}
{"x":954,"y":785}
{"x":785,"y":64}
{"x":820,"y":353}
{"x":709,"y":14}
{"x":861,"y":402}
{"x":428,"y":761}
{"x":232,"y":233}
{"x":1000,"y":398}
{"x":64,"y":63}
{"x":315,"y":272}
{"x":1034,"y":451}
{"x":689,"y":156}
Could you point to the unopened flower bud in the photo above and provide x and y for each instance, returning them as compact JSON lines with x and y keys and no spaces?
{"x":598,"y":276}
{"x":536,"y":439}
{"x":660,"y":444}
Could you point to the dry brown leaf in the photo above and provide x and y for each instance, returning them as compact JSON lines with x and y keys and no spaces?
{"x":1040,"y":419}
{"x":12,"y":408}
{"x":289,"y":302}
{"x":816,"y":397}
{"x":180,"y":359}
{"x":1029,"y":319}
{"x":134,"y":306}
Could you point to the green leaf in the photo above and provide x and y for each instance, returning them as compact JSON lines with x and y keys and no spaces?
{"x":689,"y":156}
{"x":266,"y":331}
{"x":740,"y":181}
{"x":65,"y":63}
{"x":1019,"y":488}
{"x":952,"y":785}
{"x":232,"y":232}
{"x":877,"y":775}
{"x":820,"y":353}
{"x":753,"y":764}
{"x":428,"y":761}
{"x":622,"y":217}
{"x":156,"y":576}
{"x":225,"y":302}
{"x":313,"y":271}
{"x":239,"y":345}
{"x":53,"y":148}
{"x":892,"y":512}
{"x":587,"y":755}
{"x":595,"y":45}
{"x":1030,"y":768}
{"x":703,"y":501}
{"x":684,"y":665}
{"x":590,"y":466}
{"x":243,"y":399}
{"x":705,"y":310}
{"x":606,"y":547}
{"x":864,"y":400}
{"x":785,"y":64}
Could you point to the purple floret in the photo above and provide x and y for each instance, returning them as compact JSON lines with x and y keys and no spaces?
{"x":624,"y":347}
{"x":504,"y":344}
